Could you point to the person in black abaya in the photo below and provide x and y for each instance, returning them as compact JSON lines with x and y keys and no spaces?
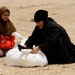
{"x":52,"y":39}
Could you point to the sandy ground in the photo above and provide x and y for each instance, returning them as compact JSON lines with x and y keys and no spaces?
{"x":63,"y":11}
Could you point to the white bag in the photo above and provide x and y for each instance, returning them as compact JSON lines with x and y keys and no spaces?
{"x":24,"y":58}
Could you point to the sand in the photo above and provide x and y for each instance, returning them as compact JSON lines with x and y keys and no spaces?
{"x":62,"y":11}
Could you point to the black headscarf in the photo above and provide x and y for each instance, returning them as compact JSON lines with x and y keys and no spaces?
{"x":40,"y":15}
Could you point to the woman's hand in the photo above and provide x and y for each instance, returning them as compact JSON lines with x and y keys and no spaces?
{"x":35,"y":50}
{"x":24,"y":46}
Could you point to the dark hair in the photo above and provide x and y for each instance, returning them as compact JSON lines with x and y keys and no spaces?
{"x":7,"y":11}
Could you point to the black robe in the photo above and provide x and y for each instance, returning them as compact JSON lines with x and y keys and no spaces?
{"x":54,"y":41}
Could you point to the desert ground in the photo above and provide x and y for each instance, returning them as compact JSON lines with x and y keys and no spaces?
{"x":62,"y":11}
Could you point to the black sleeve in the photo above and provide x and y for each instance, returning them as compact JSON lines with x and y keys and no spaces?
{"x":30,"y":42}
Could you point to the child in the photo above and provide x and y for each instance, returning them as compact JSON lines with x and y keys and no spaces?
{"x":7,"y":31}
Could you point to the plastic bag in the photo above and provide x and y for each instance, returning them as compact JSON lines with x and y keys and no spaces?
{"x":24,"y":58}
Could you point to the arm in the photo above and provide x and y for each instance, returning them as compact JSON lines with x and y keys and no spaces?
{"x":31,"y":41}
{"x":49,"y":42}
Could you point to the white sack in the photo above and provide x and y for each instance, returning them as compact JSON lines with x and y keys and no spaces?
{"x":24,"y":58}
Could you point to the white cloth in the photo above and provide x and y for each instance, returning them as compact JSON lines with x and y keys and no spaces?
{"x":24,"y":58}
{"x":17,"y":34}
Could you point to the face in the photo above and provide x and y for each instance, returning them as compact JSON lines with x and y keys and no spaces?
{"x":40,"y":24}
{"x":5,"y":15}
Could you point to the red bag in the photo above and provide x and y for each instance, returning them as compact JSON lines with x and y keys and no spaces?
{"x":7,"y":42}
